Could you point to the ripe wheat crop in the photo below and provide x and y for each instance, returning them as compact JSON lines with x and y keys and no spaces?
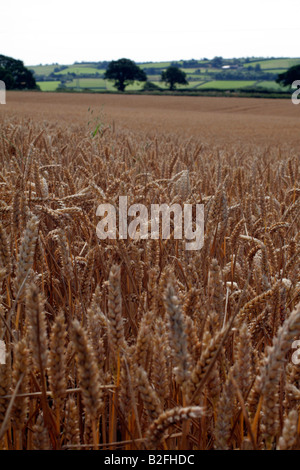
{"x":140,"y":344}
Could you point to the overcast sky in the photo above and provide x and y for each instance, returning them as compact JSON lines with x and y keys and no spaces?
{"x":65,"y":31}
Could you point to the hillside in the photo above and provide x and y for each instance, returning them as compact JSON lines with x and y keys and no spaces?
{"x":218,"y":73}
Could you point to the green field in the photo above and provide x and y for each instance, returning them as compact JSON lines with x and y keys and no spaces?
{"x":271,"y":85}
{"x":275,"y":63}
{"x":101,"y":84}
{"x":42,"y":69}
{"x":98,"y":83}
{"x":49,"y":86}
{"x":194,"y":84}
{"x":134,"y":87}
{"x":79,"y":70}
{"x":155,"y":65}
{"x":227,"y":84}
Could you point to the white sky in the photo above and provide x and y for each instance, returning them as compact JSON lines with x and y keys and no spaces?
{"x":65,"y":31}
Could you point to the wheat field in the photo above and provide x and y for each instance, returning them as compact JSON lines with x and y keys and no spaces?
{"x":141,"y":344}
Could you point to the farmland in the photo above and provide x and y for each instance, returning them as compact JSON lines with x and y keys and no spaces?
{"x":239,"y":74}
{"x":274,"y":64}
{"x":227,"y":84}
{"x":49,"y":85}
{"x":215,"y":120}
{"x":141,"y":344}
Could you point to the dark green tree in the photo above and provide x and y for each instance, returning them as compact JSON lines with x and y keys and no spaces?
{"x":124,"y":72}
{"x":217,"y":62}
{"x":173,"y":75}
{"x":288,"y":77}
{"x":15,"y":75}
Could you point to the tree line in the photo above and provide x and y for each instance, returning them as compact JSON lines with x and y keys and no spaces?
{"x":125,"y":71}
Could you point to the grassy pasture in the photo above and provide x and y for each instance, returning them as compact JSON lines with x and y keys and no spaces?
{"x":79,"y":70}
{"x":49,"y":85}
{"x":155,"y":65}
{"x":87,"y":83}
{"x":228,"y":84}
{"x":42,"y":69}
{"x":101,"y":84}
{"x":275,"y":63}
{"x":272,"y":85}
